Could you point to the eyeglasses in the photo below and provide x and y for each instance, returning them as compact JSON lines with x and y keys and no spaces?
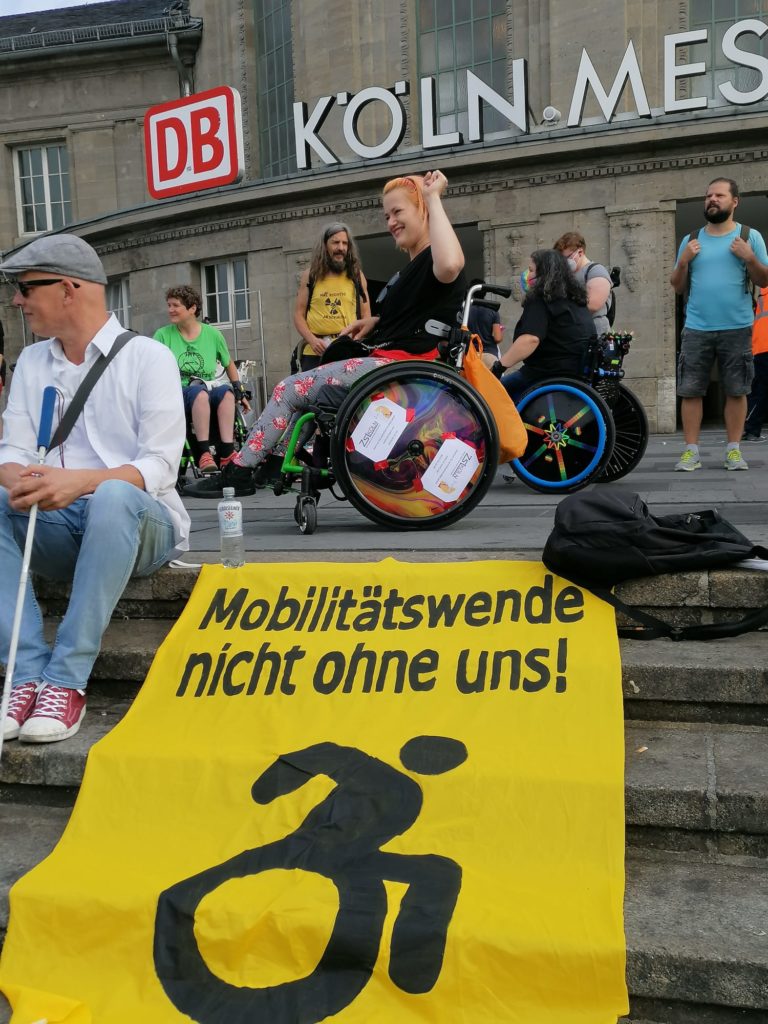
{"x":24,"y":287}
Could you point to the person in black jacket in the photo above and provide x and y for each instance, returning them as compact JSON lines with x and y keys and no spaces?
{"x":553,"y":334}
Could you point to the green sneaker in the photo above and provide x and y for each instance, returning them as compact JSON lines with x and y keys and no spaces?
{"x":734,"y":460}
{"x":689,"y":461}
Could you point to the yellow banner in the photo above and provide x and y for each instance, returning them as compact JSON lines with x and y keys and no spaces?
{"x":387,"y":792}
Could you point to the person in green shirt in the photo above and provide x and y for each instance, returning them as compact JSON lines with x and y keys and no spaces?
{"x":198,"y":347}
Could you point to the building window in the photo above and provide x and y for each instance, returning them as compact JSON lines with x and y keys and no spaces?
{"x":226,"y":287}
{"x":456,"y":35}
{"x":275,"y":68}
{"x":42,"y":178}
{"x":118,"y":301}
{"x":717,"y":16}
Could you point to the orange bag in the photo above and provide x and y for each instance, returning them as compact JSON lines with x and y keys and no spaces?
{"x":513,"y":437}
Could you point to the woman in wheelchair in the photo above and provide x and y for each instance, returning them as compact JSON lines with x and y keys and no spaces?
{"x":555,"y":330}
{"x":430,"y":287}
{"x":198,"y":347}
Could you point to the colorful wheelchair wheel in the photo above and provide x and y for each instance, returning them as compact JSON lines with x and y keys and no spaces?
{"x":414,"y":446}
{"x":631,"y":425}
{"x":570,"y":436}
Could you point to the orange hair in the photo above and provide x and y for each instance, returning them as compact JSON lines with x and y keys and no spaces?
{"x":410,"y":184}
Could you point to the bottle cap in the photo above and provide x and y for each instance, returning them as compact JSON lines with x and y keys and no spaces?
{"x":228,"y":492}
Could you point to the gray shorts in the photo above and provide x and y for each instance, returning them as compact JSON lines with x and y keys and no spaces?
{"x":698,"y":351}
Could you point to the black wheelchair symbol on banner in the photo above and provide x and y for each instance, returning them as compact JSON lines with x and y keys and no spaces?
{"x":340,"y":838}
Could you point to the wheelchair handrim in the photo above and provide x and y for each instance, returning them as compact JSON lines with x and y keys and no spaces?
{"x":547,"y":446}
{"x":447,"y":419}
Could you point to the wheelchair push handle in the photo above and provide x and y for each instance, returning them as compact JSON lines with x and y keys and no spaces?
{"x":477,"y":293}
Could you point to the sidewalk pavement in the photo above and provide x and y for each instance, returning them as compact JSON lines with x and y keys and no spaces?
{"x":511,"y":521}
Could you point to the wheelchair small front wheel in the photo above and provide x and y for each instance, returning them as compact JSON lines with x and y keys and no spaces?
{"x":305,"y":514}
{"x":570,"y":436}
{"x":414,"y":446}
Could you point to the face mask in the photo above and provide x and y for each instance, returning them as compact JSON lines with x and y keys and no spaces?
{"x":527,"y":281}
{"x":573,"y":263}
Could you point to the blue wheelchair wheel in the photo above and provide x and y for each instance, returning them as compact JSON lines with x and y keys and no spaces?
{"x":570,"y":436}
{"x":414,"y":446}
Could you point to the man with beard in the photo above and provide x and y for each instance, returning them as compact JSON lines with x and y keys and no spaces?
{"x":717,"y":267}
{"x":332,"y":294}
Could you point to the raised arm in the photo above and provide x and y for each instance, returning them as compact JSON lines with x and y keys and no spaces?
{"x":447,"y":254}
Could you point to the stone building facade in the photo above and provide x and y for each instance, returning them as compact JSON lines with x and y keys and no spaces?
{"x":617,"y":116}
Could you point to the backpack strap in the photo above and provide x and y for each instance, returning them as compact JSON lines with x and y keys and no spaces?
{"x":75,"y":407}
{"x":655,"y":629}
{"x":310,"y":289}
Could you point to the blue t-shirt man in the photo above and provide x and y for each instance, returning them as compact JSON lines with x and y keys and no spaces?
{"x":720,"y":299}
{"x":717,"y":267}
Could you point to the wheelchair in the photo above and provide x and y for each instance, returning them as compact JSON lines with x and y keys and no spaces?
{"x":583,"y":430}
{"x":410,"y":445}
{"x":187,"y":463}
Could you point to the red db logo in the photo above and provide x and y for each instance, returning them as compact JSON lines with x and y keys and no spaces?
{"x":194,"y":143}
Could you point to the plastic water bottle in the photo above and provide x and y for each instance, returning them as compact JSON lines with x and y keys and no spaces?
{"x":231,"y":530}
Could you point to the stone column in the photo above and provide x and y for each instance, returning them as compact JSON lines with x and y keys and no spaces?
{"x":642,"y":243}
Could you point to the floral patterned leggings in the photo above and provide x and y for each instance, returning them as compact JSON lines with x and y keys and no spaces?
{"x":290,"y":399}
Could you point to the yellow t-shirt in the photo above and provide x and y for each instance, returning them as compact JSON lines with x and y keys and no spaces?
{"x":333,"y":305}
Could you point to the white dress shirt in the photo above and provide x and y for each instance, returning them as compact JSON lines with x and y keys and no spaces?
{"x":134,"y":415}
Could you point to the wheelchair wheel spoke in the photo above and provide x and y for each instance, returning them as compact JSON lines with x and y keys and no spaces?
{"x":561,"y":464}
{"x":577,"y":416}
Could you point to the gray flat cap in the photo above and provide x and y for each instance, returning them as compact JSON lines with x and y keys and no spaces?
{"x":67,"y":255}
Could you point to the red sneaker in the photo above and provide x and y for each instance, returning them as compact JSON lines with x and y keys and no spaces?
{"x":21,"y":704}
{"x":226,"y":460}
{"x":207,"y":464}
{"x":57,"y":715}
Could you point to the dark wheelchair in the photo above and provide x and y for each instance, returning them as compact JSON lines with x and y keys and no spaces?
{"x":591,"y":429}
{"x":413,"y":446}
{"x":187,"y":464}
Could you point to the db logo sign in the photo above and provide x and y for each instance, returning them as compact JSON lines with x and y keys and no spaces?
{"x":194,"y":143}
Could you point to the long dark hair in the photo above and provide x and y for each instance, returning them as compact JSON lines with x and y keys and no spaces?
{"x":321,"y":265}
{"x":554,"y":279}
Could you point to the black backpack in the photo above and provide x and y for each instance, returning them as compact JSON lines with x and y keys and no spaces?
{"x":602,"y":537}
{"x":615,"y":273}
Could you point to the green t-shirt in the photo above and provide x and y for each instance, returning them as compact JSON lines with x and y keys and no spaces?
{"x":196,"y":358}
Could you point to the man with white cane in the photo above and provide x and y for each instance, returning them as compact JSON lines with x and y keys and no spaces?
{"x":105,"y":492}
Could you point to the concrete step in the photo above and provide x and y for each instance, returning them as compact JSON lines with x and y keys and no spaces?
{"x":718,"y":681}
{"x":697,"y":928}
{"x":681,"y":598}
{"x":697,"y":787}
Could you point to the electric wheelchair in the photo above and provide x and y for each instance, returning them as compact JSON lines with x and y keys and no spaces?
{"x":587,"y":430}
{"x":412,"y":445}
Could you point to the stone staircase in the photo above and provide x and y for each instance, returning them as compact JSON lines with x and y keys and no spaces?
{"x":696,"y":789}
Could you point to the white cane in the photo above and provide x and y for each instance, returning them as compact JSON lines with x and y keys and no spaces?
{"x":43,"y":438}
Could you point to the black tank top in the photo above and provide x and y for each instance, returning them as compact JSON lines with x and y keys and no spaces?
{"x":410,"y":299}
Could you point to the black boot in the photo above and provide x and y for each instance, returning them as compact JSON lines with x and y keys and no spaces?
{"x":232,"y":475}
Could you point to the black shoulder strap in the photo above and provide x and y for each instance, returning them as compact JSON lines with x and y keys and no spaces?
{"x":654,"y":629}
{"x":75,"y":407}
{"x":310,"y":289}
{"x":691,"y":238}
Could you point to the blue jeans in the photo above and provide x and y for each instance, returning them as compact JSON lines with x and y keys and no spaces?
{"x":520,"y":380}
{"x":98,"y":543}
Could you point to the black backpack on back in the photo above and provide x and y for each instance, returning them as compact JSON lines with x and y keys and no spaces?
{"x":602,"y":537}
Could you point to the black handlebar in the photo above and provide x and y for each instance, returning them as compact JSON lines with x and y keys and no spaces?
{"x":496,"y":289}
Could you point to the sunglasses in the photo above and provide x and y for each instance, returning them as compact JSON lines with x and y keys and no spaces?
{"x":24,"y":287}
